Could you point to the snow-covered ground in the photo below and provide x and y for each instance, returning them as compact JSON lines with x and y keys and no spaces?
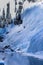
{"x":25,"y":39}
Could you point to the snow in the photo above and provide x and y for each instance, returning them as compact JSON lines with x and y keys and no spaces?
{"x":25,"y":39}
{"x":39,"y":56}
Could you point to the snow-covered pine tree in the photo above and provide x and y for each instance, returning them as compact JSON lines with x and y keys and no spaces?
{"x":18,"y":19}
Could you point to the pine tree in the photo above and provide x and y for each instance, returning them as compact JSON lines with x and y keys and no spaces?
{"x":18,"y":19}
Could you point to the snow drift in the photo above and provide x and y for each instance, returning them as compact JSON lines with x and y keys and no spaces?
{"x":27,"y":37}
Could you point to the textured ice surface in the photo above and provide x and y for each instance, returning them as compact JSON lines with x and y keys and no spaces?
{"x":26,"y":40}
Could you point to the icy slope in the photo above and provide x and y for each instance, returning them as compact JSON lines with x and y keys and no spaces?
{"x":27,"y":37}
